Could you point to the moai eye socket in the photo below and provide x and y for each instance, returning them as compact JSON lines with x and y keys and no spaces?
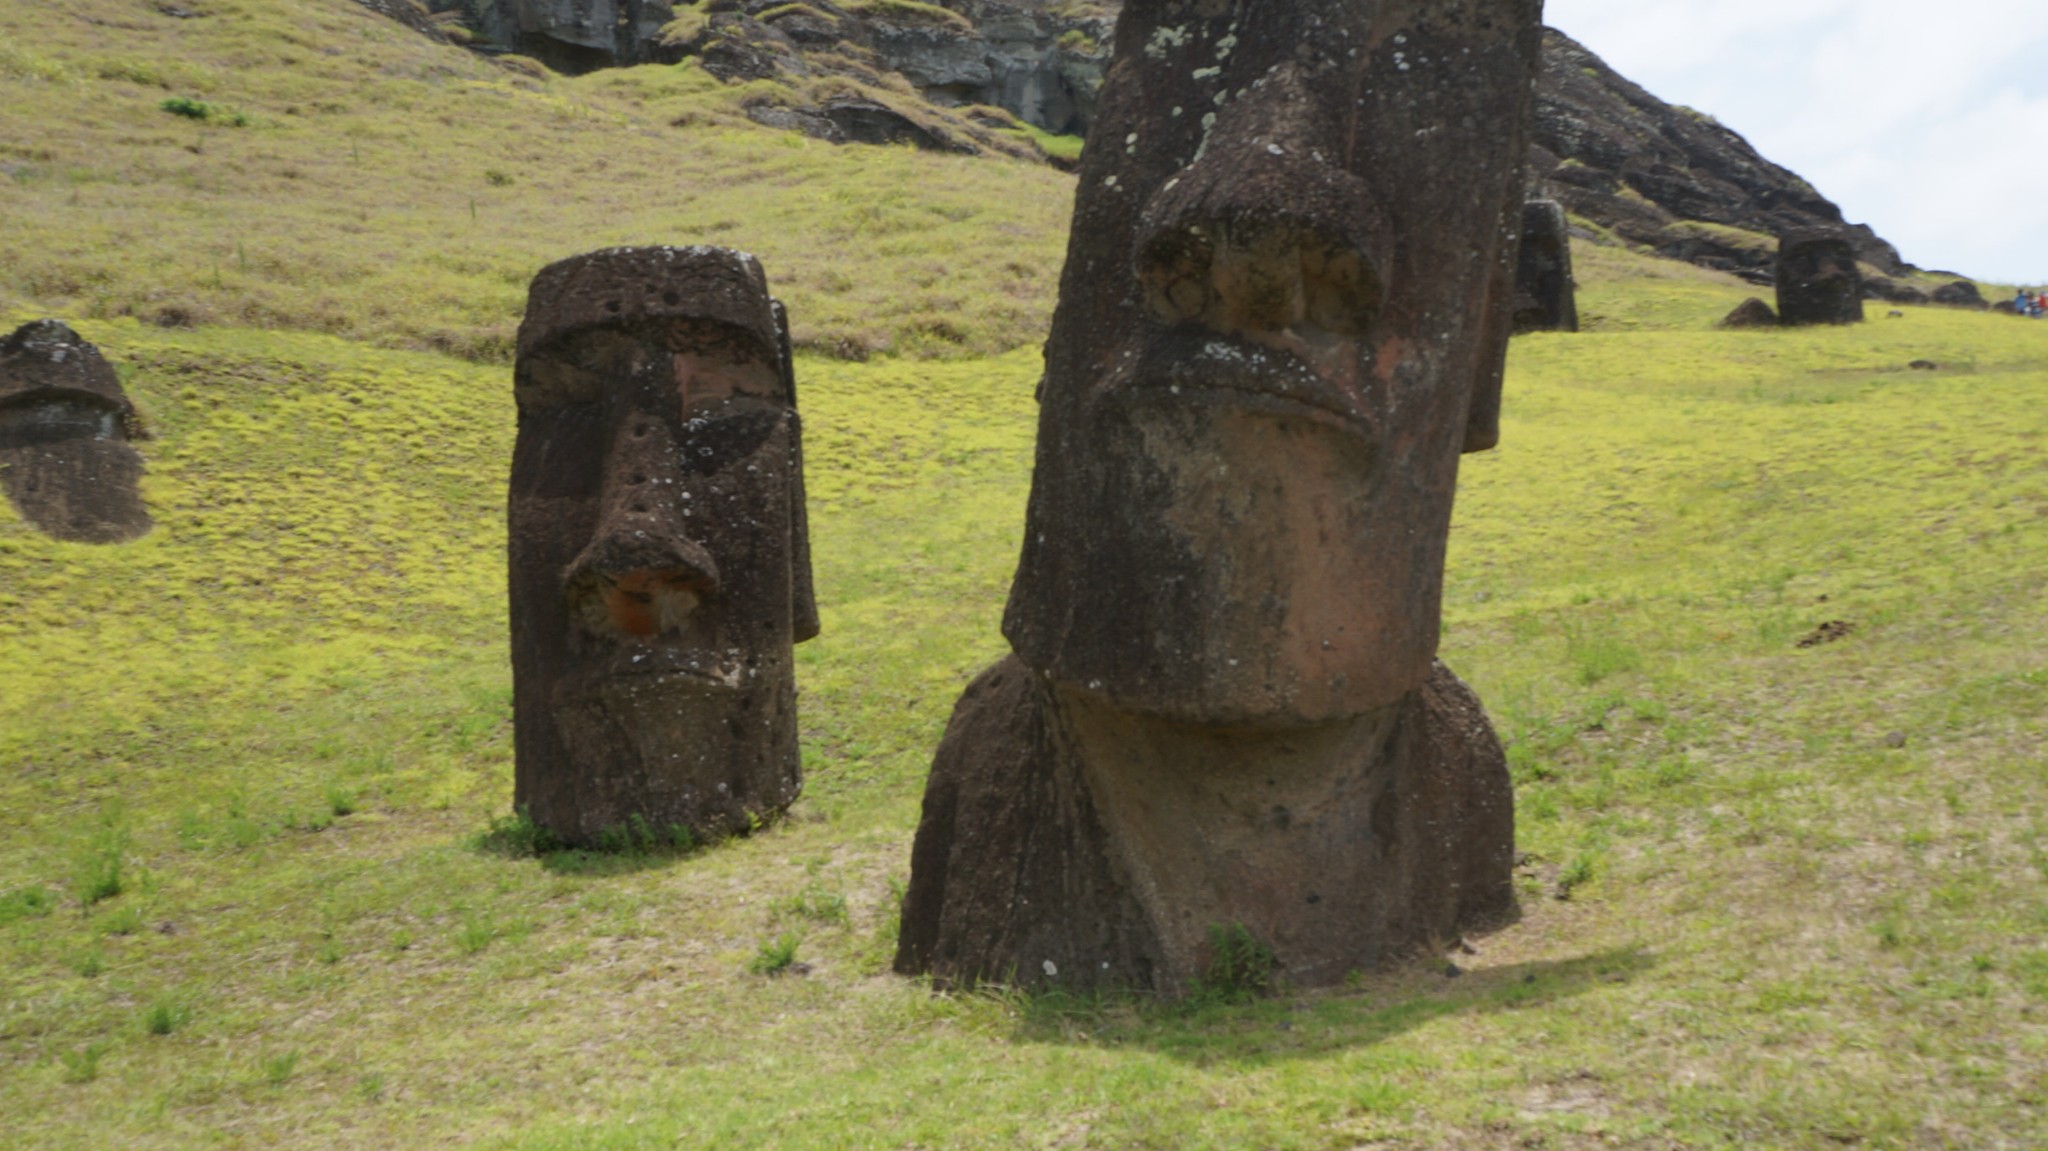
{"x":578,"y":368}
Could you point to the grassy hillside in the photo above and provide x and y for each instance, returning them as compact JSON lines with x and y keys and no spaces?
{"x":259,"y":888}
{"x":357,"y":178}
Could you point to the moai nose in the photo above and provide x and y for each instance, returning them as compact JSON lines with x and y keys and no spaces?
{"x":642,"y":574}
{"x":1245,"y":271}
{"x":1264,"y":232}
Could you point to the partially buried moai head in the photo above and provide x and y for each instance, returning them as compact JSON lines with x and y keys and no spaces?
{"x":1284,"y":315}
{"x":66,"y":458}
{"x":660,"y":566}
{"x":1819,"y":281}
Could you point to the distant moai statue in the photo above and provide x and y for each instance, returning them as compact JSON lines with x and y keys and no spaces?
{"x":1818,"y":280}
{"x":67,"y":460}
{"x":660,"y":558}
{"x":1284,"y":315}
{"x":1546,"y":296}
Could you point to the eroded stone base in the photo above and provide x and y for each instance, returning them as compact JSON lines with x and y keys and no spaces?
{"x":1066,"y":844}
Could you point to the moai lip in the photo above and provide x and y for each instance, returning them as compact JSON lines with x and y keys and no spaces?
{"x":1819,"y":281}
{"x":1284,"y":315}
{"x":659,"y":550}
{"x":67,"y":460}
{"x":1546,"y":296}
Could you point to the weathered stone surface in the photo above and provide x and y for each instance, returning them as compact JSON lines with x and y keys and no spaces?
{"x":736,"y":50}
{"x":1750,"y":313}
{"x":1818,"y":280}
{"x":1277,"y":331}
{"x":66,"y":460}
{"x":1546,"y":296}
{"x":659,"y":556}
{"x":568,"y":35}
{"x":1891,"y":291}
{"x":1960,"y":294}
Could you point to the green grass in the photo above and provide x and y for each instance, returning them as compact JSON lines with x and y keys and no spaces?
{"x":1762,"y":891}
{"x":262,"y":884}
{"x":358,"y":195}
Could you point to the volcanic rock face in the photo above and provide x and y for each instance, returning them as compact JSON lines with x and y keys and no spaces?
{"x":1612,"y":153}
{"x":1818,"y":281}
{"x":1546,"y":298}
{"x":66,"y":460}
{"x":660,"y":560}
{"x":1273,"y":341}
{"x":569,"y":35}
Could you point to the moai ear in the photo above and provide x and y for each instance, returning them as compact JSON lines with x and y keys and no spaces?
{"x":1482,"y":420}
{"x":803,"y":594}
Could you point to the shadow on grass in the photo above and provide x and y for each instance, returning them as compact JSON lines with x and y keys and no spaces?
{"x":1289,"y":1026}
{"x":624,"y":850}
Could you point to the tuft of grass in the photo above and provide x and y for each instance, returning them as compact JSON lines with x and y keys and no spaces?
{"x":816,"y":903}
{"x":1576,"y":874}
{"x":277,"y":1069}
{"x":82,"y":1064}
{"x":26,"y":903}
{"x":775,"y":956}
{"x":1241,"y":966}
{"x":187,"y":107}
{"x":517,"y":836}
{"x":121,"y":921}
{"x":98,"y":860}
{"x":167,"y":1014}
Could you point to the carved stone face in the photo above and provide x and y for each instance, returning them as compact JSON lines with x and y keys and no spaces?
{"x":66,"y":462}
{"x":1818,"y":279}
{"x":660,"y":566}
{"x":1284,"y":315}
{"x":1545,"y":297}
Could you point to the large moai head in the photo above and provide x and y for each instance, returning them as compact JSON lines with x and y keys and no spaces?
{"x":1284,"y":315}
{"x":1818,"y":279}
{"x":66,"y":458}
{"x":1546,"y":297}
{"x":660,"y":562}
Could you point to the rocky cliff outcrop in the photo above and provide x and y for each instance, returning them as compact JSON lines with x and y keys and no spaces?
{"x":566,"y":35}
{"x":1040,"y":61}
{"x":1668,"y":177}
{"x":1651,"y":174}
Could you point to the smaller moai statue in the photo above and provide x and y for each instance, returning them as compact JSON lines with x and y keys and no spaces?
{"x":1818,"y":280}
{"x":67,"y":458}
{"x":660,"y":566}
{"x":1546,"y":297}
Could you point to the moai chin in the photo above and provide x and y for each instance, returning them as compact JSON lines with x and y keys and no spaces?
{"x":1546,"y":296}
{"x":67,"y":461}
{"x":1819,"y":281}
{"x":1283,"y":317}
{"x":659,"y":554}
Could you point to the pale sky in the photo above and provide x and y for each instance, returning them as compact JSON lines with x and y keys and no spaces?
{"x":1929,"y":122}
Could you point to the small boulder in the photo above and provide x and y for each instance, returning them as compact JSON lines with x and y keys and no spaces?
{"x":1891,"y":291}
{"x":1750,"y":313}
{"x":1960,"y":294}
